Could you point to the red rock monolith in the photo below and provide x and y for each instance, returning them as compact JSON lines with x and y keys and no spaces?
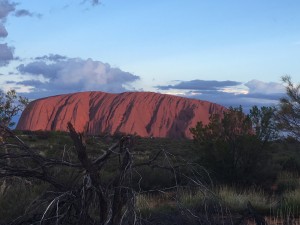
{"x":142,"y":113}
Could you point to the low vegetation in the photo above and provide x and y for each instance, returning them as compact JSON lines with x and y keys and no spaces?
{"x":156,"y":192}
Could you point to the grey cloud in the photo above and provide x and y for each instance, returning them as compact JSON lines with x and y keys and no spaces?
{"x":200,"y":85}
{"x":74,"y":74}
{"x":24,"y":12}
{"x":5,"y":8}
{"x":6,"y":54}
{"x":51,"y":57}
{"x":10,"y":82}
{"x":95,"y":2}
{"x":3,"y":31}
{"x":40,"y":68}
{"x":34,"y":83}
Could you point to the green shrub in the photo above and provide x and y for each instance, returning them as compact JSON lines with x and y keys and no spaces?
{"x":153,"y":178}
{"x":287,"y":181}
{"x":235,"y":147}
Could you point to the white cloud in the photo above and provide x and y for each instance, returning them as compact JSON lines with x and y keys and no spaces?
{"x":256,"y":86}
{"x":74,"y":74}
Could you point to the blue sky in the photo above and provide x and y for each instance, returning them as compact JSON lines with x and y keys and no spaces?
{"x":229,"y":52}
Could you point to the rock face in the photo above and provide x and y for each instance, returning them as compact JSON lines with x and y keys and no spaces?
{"x":142,"y":113}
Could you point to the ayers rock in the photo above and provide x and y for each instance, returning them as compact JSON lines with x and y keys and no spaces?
{"x":142,"y":113}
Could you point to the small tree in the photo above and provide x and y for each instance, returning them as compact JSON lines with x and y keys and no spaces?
{"x":10,"y":105}
{"x":263,"y":122}
{"x":233,"y":145}
{"x":289,"y":109}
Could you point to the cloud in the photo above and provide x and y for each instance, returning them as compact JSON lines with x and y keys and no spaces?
{"x":235,"y":100}
{"x":93,"y":2}
{"x":3,"y":31}
{"x":256,"y":86}
{"x":5,"y":8}
{"x":51,"y":57}
{"x":6,"y":54}
{"x":10,"y":82}
{"x":229,"y":93}
{"x":64,"y":75}
{"x":200,"y":85}
{"x":41,"y":68}
{"x":24,"y":12}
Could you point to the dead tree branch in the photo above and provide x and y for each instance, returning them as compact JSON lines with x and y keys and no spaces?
{"x":88,"y":198}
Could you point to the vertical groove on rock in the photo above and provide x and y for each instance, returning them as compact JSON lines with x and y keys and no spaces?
{"x":59,"y":110}
{"x":154,"y":116}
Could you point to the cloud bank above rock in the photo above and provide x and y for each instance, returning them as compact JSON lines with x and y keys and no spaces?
{"x":203,"y":85}
{"x":56,"y":74}
{"x":229,"y":93}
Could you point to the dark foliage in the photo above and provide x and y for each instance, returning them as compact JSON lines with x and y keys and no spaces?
{"x":289,"y":109}
{"x":235,"y":147}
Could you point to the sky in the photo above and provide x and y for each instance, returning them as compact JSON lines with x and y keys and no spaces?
{"x":229,"y":52}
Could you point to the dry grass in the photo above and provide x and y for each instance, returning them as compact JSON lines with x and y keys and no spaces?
{"x":237,"y":200}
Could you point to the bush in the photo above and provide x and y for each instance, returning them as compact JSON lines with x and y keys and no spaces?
{"x":287,"y":181}
{"x":235,"y":146}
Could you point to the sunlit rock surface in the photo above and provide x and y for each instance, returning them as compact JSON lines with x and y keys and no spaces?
{"x":141,"y":113}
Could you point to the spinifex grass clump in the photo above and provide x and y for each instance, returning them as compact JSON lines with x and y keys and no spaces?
{"x":237,"y":200}
{"x":182,"y":198}
{"x":198,"y":198}
{"x":158,"y":202}
{"x":16,"y":195}
{"x":195,"y":204}
{"x":290,"y":204}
